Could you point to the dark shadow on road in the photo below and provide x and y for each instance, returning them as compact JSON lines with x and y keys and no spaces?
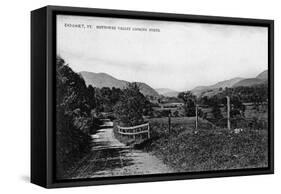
{"x":102,"y":162}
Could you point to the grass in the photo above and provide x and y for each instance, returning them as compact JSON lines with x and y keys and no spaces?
{"x":71,"y":145}
{"x":206,"y":150}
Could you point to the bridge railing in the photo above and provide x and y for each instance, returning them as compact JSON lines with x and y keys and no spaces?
{"x":135,"y":130}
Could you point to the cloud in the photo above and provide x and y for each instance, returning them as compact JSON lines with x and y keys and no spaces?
{"x":180,"y":56}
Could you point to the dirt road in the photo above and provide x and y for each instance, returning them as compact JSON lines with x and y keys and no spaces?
{"x":109,"y":157}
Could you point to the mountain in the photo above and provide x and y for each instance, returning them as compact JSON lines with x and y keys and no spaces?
{"x":227,"y":83}
{"x":167,"y":92}
{"x":100,"y":80}
{"x":249,"y":82}
{"x":259,"y":79}
{"x":199,"y":88}
{"x":263,"y":75}
{"x":147,"y":90}
{"x":222,"y":84}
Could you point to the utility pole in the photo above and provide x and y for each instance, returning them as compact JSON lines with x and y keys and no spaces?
{"x":196,"y":113}
{"x":228,"y":112}
{"x":169,"y":122}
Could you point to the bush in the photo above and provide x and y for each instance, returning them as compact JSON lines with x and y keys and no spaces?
{"x":74,"y":122}
{"x":132,"y":106}
{"x":71,"y":144}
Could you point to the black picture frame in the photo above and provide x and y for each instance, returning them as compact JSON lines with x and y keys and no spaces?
{"x":43,"y":56}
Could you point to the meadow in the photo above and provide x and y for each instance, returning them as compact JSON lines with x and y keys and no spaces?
{"x":207,"y":149}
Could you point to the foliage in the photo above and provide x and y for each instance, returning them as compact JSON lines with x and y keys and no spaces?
{"x":132,"y":106}
{"x":254,"y":94}
{"x":189,"y":101}
{"x":73,"y":117}
{"x":208,"y":149}
{"x":217,"y":113}
{"x":219,"y":101}
{"x":106,"y":97}
{"x":176,"y":114}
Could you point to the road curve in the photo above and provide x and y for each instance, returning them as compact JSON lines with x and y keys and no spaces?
{"x":109,"y":157}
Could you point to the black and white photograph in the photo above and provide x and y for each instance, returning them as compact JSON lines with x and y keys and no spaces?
{"x":146,"y":97}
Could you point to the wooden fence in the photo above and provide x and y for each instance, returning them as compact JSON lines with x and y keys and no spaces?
{"x":135,"y":130}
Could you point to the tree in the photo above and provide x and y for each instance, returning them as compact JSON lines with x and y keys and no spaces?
{"x":71,"y":89}
{"x":73,"y":118}
{"x":176,"y":113}
{"x":217,"y":113}
{"x":106,"y":93}
{"x":238,"y":108}
{"x":132,"y":106}
{"x":214,"y":102}
{"x":189,"y":101}
{"x":91,"y":97}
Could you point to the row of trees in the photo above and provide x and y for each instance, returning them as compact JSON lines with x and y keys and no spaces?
{"x":73,"y":118}
{"x":215,"y":102}
{"x":238,"y":96}
{"x":128,"y":105}
{"x":78,"y":108}
{"x":132,"y":106}
{"x":254,"y":94}
{"x":189,"y":102}
{"x":104,"y":99}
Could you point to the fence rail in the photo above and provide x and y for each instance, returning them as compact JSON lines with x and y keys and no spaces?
{"x":135,"y":130}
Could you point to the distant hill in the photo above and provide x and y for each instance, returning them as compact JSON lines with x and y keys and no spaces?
{"x":263,"y":75}
{"x":222,"y":84}
{"x":249,"y":82}
{"x":235,"y":82}
{"x":260,"y":79}
{"x":167,"y":92}
{"x":147,"y":90}
{"x":100,"y":80}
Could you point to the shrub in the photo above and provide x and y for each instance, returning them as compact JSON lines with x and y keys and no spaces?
{"x":132,"y":106}
{"x":74,"y":121}
{"x":71,"y":144}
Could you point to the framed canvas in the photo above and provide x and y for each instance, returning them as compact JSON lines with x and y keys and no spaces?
{"x":127,"y":96}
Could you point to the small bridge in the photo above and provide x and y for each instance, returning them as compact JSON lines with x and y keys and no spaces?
{"x":135,"y":130}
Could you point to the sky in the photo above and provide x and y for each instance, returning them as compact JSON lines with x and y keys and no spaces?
{"x":175,"y":55}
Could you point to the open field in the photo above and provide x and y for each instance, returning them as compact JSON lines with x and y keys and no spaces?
{"x":209,"y":149}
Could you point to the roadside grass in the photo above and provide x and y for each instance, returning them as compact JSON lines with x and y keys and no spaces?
{"x":207,"y":150}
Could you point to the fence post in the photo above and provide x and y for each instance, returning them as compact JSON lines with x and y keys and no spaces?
{"x":134,"y":131}
{"x":196,"y":113}
{"x":169,"y":122}
{"x":228,"y":112}
{"x":148,"y":131}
